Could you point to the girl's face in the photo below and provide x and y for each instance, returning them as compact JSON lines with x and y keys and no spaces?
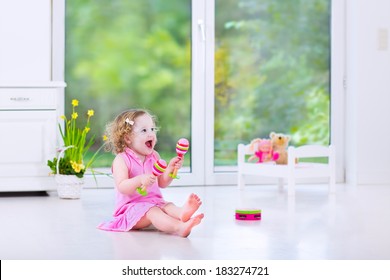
{"x":143,"y":137}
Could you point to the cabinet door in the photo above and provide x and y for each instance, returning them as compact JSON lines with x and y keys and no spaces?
{"x":27,"y":141}
{"x":25,"y":40}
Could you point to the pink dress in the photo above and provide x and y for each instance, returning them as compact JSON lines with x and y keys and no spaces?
{"x":129,"y":209}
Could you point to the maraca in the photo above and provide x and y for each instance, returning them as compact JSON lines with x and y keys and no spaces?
{"x":158,"y":168}
{"x":182,"y":147}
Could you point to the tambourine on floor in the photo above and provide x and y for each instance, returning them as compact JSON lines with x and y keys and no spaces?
{"x":244,"y":214}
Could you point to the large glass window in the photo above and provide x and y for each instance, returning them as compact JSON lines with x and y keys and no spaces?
{"x":272,"y":73}
{"x":264,"y":64}
{"x":131,"y":54}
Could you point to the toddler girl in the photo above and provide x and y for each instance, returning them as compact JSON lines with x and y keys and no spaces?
{"x":132,"y":137}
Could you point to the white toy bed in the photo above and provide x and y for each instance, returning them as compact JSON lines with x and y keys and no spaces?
{"x":292,"y":170}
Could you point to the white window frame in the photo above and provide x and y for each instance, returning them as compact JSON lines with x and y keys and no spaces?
{"x":198,"y":111}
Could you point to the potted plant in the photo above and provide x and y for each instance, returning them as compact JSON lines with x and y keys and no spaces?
{"x":69,"y":166}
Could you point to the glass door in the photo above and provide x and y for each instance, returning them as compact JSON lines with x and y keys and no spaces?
{"x":272,"y":73}
{"x":138,"y":54}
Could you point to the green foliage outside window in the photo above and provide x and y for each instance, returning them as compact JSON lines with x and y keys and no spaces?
{"x":132,"y":54}
{"x":271,"y":72}
{"x":271,"y":67}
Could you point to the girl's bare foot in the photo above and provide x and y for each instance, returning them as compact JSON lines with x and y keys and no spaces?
{"x":185,"y":228}
{"x":189,"y":208}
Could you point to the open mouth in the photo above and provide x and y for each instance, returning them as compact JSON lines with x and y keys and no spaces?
{"x":149,"y":144}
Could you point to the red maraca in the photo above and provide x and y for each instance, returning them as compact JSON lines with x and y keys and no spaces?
{"x":182,"y":147}
{"x":158,"y":168}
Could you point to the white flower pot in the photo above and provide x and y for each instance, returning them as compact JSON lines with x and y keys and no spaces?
{"x":69,"y":186}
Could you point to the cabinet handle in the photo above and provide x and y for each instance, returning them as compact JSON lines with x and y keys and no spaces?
{"x":20,"y":99}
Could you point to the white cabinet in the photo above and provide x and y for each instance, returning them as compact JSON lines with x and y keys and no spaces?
{"x":29,"y":135}
{"x":28,"y":142}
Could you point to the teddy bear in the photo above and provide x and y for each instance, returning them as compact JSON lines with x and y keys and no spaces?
{"x":263,"y":151}
{"x":279,"y":144}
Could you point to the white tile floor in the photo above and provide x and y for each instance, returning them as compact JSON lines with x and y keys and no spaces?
{"x":353,"y":224}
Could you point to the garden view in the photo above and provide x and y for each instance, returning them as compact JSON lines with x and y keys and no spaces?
{"x":272,"y":68}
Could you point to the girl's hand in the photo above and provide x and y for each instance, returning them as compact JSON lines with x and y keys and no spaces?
{"x":176,"y":162}
{"x":147,"y":180}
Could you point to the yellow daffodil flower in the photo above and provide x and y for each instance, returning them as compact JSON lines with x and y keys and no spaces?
{"x":77,"y":144}
{"x":77,"y":167}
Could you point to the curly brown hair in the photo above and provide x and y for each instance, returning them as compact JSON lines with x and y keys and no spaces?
{"x":117,"y":129}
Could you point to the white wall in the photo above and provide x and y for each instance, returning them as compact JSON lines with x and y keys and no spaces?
{"x":368,"y":92}
{"x":25,"y":41}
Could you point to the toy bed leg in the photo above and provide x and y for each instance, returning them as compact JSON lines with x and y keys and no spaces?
{"x":291,"y":186}
{"x":280,"y":184}
{"x":241,"y":181}
{"x":332,"y":185}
